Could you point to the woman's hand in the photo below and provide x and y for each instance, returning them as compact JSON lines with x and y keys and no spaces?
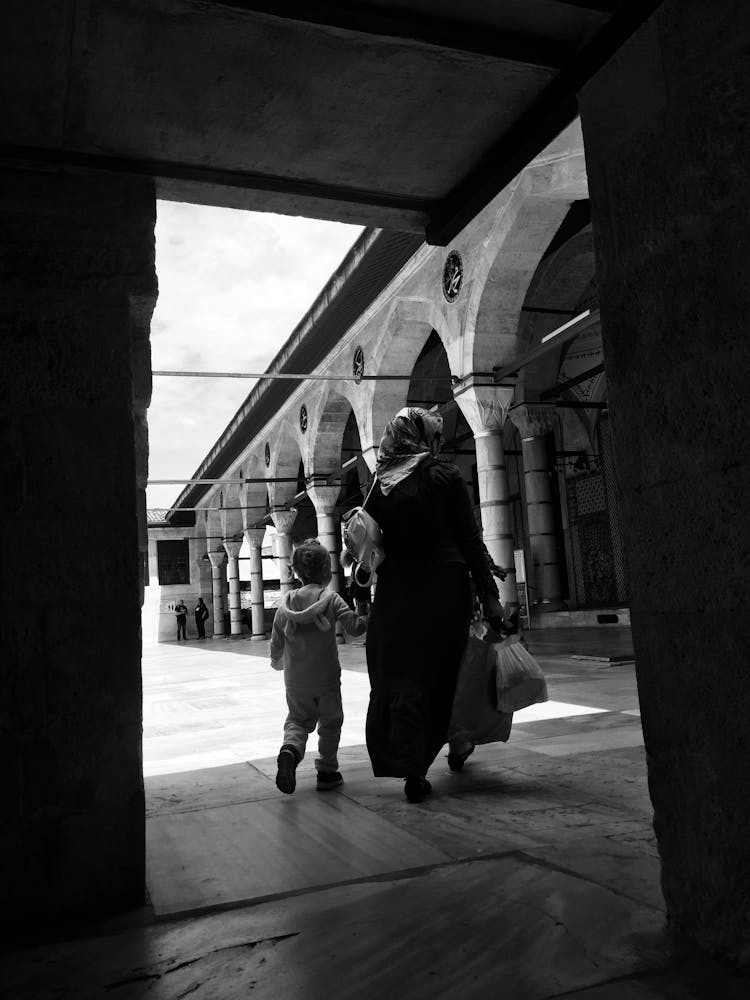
{"x":492,"y":611}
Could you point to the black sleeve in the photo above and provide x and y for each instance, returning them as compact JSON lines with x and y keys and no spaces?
{"x":464,"y":528}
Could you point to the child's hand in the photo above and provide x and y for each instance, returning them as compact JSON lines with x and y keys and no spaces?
{"x":277,"y":664}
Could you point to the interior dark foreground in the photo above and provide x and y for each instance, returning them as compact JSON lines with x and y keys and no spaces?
{"x":88,"y":127}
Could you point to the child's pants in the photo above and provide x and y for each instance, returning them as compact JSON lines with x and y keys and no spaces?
{"x":308,"y":708}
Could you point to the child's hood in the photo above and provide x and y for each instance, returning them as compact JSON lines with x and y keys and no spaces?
{"x":307,"y":606}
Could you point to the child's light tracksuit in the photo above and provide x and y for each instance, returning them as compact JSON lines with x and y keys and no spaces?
{"x":303,"y":644}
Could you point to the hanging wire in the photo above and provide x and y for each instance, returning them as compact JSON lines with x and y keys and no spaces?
{"x":299,"y":377}
{"x":216,"y":482}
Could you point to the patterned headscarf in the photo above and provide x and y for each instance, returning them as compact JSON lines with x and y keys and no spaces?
{"x":407,"y":440}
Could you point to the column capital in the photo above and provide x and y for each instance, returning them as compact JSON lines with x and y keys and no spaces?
{"x":232,"y":548}
{"x":217,"y":558}
{"x":254,"y":537}
{"x":323,"y":496}
{"x":283,"y":519}
{"x":484,"y":404}
{"x":534,"y":419}
{"x":252,"y":516}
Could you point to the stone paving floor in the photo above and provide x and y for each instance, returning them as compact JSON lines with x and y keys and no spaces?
{"x":531,"y":874}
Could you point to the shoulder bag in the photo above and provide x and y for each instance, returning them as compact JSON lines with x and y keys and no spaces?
{"x":363,"y":540}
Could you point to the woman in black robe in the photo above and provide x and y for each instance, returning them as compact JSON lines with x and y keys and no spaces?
{"x":420,"y":616}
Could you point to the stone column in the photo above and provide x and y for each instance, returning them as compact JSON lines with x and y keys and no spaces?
{"x":77,"y":285}
{"x":667,"y":176}
{"x":324,"y":500}
{"x":218,"y":559}
{"x":254,"y":538}
{"x":534,"y":423}
{"x":283,"y":520}
{"x":233,"y":575}
{"x":485,"y":407}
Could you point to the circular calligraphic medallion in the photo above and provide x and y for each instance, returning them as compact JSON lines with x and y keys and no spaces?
{"x":453,"y":276}
{"x":358,"y":365}
{"x":268,"y":454}
{"x":303,"y":418}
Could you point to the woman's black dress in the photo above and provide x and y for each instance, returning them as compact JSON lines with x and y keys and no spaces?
{"x":420,"y":617}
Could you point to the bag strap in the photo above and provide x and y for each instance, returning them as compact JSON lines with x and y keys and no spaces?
{"x":372,"y":487}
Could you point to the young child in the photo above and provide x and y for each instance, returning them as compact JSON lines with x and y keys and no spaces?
{"x":303,"y":645}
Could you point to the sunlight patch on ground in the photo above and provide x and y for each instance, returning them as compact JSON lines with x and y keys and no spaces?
{"x":207,"y":708}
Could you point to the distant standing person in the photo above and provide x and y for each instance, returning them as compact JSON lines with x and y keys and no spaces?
{"x":201,"y":615}
{"x":303,"y":645}
{"x":180,"y":611}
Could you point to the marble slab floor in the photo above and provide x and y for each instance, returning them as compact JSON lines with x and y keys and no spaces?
{"x":533,"y":873}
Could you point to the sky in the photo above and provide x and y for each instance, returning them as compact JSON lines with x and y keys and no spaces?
{"x":232,"y":287}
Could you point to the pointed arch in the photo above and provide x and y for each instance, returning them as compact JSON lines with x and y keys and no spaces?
{"x":527,"y":221}
{"x":410,"y":324}
{"x":286,"y":458}
{"x":563,"y":281}
{"x":326,"y":430}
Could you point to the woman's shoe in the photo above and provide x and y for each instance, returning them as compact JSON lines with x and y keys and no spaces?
{"x":417,"y":789}
{"x":456,"y":761}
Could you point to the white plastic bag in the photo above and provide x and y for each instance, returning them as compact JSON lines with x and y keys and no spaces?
{"x":474,"y":715}
{"x":518,"y":677}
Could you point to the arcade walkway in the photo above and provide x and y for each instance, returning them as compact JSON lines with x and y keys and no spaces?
{"x":531,"y":875}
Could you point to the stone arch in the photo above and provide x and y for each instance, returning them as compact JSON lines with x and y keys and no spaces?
{"x":255,"y":503}
{"x":520,"y":236}
{"x":410,"y":324}
{"x":214,"y":526}
{"x":326,"y":430}
{"x":231,"y":513}
{"x":288,"y":463}
{"x":355,"y":472}
{"x":286,"y":456}
{"x":201,"y":561}
{"x":563,"y":281}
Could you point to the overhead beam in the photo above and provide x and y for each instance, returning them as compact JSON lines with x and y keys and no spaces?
{"x":553,"y":341}
{"x":599,"y":6}
{"x":575,"y":404}
{"x":421,"y":29}
{"x":553,"y":111}
{"x":412,"y":212}
{"x":572,"y":382}
{"x":307,"y":377}
{"x":217,"y":482}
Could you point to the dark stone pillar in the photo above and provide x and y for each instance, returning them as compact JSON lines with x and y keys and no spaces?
{"x":667,"y":132}
{"x":77,"y":288}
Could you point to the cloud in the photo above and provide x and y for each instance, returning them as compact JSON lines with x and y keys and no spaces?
{"x":232,"y":287}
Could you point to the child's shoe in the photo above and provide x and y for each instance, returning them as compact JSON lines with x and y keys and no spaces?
{"x":327,"y":780}
{"x":287,"y":761}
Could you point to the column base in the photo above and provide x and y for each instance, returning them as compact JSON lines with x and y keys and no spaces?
{"x":552,"y":604}
{"x":259,"y":637}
